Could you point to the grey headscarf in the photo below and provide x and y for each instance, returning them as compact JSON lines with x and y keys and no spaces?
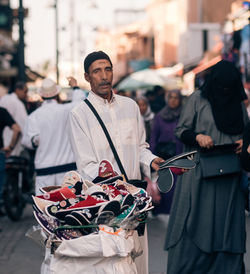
{"x":170,"y":114}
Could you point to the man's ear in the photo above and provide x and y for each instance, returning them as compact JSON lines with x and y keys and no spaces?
{"x":86,"y":76}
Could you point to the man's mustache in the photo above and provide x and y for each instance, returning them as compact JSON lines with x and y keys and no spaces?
{"x":105,"y":83}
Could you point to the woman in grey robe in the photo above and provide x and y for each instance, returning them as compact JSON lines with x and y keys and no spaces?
{"x":206,"y":231}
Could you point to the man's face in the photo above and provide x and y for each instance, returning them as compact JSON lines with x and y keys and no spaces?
{"x":100,"y":77}
{"x":143,"y":106}
{"x":22,"y":93}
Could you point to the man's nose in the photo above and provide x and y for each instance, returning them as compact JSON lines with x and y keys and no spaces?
{"x":104,"y":75}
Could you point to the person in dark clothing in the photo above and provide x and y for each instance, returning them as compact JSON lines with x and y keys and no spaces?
{"x":6,"y":120}
{"x":245,"y":155}
{"x":206,"y":230}
{"x":156,"y":98}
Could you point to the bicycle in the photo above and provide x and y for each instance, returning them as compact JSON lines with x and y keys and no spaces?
{"x":18,"y":185}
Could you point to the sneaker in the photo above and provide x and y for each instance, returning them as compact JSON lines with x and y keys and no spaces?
{"x":46,"y":189}
{"x":121,"y":185}
{"x":165,"y":180}
{"x":113,"y":192}
{"x":52,"y":209}
{"x":77,"y":218}
{"x":125,"y":214}
{"x":108,"y":212}
{"x":69,"y":234}
{"x":51,"y":225}
{"x":127,"y":200}
{"x":86,"y":216}
{"x":96,"y":190}
{"x":71,"y":178}
{"x":111,"y":180}
{"x":143,"y":204}
{"x":105,"y":171}
{"x":47,"y":223}
{"x":59,"y":194}
{"x":41,"y":204}
{"x":183,"y":160}
{"x":91,"y":202}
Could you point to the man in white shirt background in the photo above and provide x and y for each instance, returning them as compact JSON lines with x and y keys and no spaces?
{"x":121,"y":116}
{"x":45,"y":132}
{"x":14,"y":103}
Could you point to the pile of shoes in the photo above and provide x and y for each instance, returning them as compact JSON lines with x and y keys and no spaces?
{"x":79,"y":206}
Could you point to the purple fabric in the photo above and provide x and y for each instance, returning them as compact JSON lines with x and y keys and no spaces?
{"x":163,"y":131}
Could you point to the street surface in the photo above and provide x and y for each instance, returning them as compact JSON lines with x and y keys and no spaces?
{"x":21,"y":255}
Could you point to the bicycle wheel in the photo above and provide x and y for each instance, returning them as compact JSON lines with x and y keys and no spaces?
{"x":12,"y":194}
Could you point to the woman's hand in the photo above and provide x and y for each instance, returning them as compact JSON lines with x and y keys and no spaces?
{"x":239,"y":147}
{"x":204,"y":140}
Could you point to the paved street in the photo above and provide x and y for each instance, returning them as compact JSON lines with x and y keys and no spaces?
{"x":20,"y":255}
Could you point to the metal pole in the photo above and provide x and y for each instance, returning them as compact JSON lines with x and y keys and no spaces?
{"x":57,"y":43}
{"x":21,"y":63}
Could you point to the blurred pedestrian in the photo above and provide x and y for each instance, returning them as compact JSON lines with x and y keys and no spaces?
{"x":6,"y":121}
{"x":121,"y":116}
{"x":146,"y":113}
{"x":164,"y":143}
{"x":156,"y":98}
{"x":206,"y":230}
{"x":14,"y":103}
{"x":45,"y":132}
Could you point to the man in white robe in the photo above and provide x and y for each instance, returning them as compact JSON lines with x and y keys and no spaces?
{"x":45,"y":131}
{"x":121,"y":116}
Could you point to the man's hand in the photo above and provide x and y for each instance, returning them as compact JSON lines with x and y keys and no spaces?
{"x":7,"y":151}
{"x":72,"y":81}
{"x":248,"y":149}
{"x":156,"y":162}
{"x":204,"y":141}
{"x":239,"y":147}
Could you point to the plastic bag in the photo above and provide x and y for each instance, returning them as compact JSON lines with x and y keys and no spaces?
{"x":106,"y":252}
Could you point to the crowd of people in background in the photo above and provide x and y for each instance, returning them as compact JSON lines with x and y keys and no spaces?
{"x":171,"y":127}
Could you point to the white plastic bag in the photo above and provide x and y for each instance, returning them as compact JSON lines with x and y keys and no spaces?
{"x":107,"y":252}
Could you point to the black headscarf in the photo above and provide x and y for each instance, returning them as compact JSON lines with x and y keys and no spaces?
{"x":224,"y":90}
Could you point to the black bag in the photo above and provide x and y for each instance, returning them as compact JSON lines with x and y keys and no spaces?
{"x":165,"y":150}
{"x":219,"y":161}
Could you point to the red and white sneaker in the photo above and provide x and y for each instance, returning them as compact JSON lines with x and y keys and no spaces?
{"x":59,"y":194}
{"x":105,"y":171}
{"x":91,"y":202}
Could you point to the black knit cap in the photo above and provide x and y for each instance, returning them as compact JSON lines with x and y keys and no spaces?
{"x":93,"y":56}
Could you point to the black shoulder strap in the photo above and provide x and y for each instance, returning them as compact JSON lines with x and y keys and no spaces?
{"x":108,"y":138}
